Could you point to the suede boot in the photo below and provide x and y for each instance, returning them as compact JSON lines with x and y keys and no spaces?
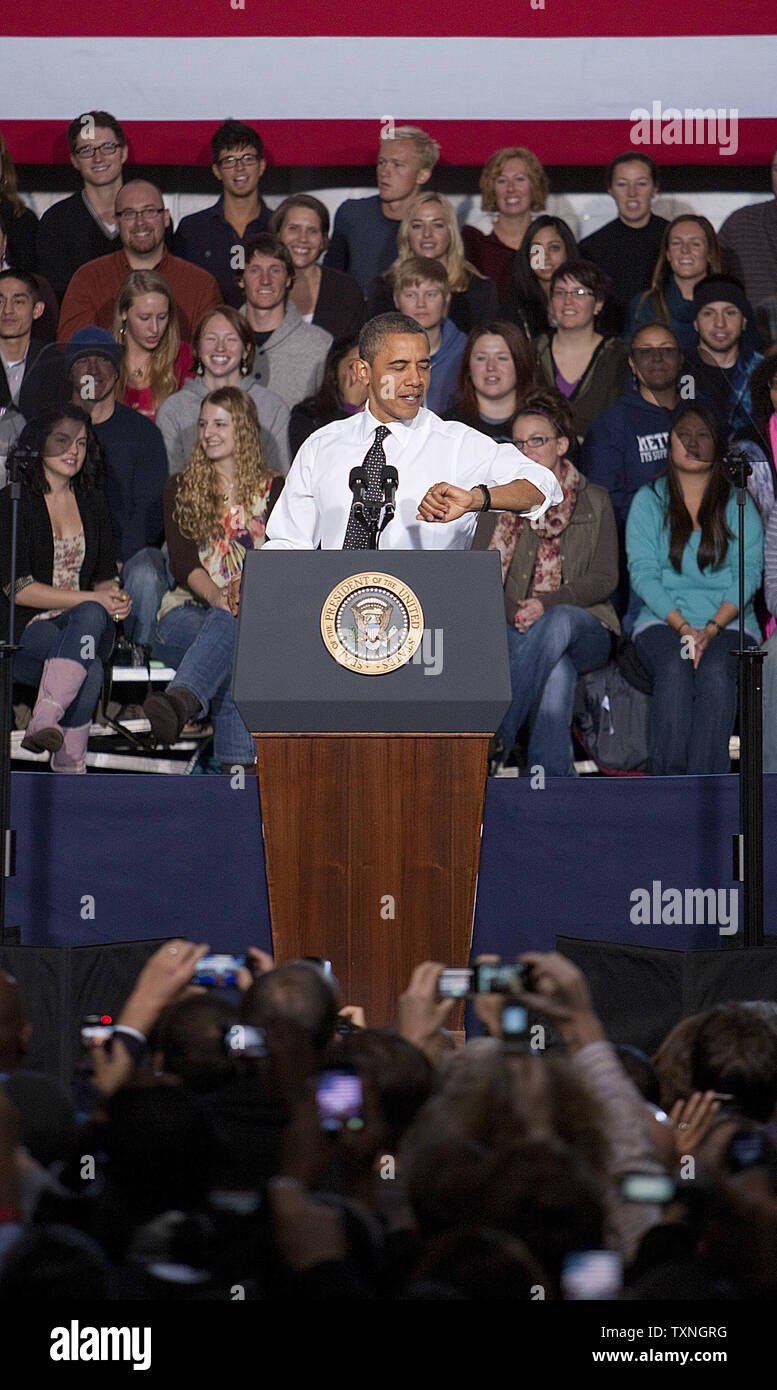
{"x":169,"y":714}
{"x":71,"y":757}
{"x":60,"y":682}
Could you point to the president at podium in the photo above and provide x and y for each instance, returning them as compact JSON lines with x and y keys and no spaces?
{"x":440,"y":471}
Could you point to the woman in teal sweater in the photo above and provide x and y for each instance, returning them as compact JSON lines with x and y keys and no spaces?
{"x":681,"y":542}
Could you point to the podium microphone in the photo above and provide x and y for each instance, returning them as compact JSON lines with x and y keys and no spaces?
{"x":357,"y":482}
{"x":389,"y":482}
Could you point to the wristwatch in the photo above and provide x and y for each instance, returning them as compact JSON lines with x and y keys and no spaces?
{"x":486,"y":497}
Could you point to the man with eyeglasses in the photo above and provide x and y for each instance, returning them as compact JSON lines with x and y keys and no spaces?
{"x":209,"y":238}
{"x":142,"y":218}
{"x":82,"y":227}
{"x":626,"y":445}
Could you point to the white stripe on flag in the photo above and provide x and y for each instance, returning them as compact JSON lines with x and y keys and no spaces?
{"x":173,"y":79}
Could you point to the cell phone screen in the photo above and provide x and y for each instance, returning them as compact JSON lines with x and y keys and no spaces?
{"x":455,"y":984}
{"x":339,"y":1099}
{"x":515,"y":1020}
{"x":591,"y":1275}
{"x":648,"y":1187}
{"x":218,"y":972}
{"x":94,"y":1035}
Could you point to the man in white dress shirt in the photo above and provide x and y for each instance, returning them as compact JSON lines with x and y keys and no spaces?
{"x":315,"y":505}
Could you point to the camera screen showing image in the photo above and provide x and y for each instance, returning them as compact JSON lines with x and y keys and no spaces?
{"x":591,"y":1274}
{"x":454,"y":984}
{"x":219,"y":972}
{"x":241,"y":1040}
{"x":94,"y":1033}
{"x":515,"y":1021}
{"x":500,"y":977}
{"x":339,"y":1099}
{"x":648,"y":1187}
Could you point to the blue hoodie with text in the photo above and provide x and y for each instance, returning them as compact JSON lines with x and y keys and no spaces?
{"x":625,"y":448}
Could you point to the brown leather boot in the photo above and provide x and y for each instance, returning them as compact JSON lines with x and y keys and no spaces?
{"x":169,"y":714}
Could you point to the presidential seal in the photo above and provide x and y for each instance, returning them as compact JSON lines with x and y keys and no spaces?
{"x":372,"y":623}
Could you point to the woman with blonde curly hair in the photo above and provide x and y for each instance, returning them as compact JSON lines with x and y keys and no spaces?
{"x":215,"y":510}
{"x":154,"y":360}
{"x":513,"y":185}
{"x":20,"y":221}
{"x":429,"y":229}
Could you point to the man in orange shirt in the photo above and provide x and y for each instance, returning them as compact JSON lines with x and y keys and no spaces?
{"x":142,"y":219}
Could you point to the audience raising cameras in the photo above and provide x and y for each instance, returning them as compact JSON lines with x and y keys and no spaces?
{"x":226,"y":1156}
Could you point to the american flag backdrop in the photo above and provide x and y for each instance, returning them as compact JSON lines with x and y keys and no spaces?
{"x":560,"y":77}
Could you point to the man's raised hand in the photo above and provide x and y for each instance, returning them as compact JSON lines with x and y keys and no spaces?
{"x":444,"y":502}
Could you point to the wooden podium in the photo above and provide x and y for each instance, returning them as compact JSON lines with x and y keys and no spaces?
{"x":372,"y":785}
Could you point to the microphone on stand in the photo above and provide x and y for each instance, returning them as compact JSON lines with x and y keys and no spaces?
{"x":737,"y":464}
{"x":389,"y":482}
{"x":357,"y":482}
{"x":20,"y":456}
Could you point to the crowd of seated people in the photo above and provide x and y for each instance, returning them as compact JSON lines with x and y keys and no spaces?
{"x":637,"y":358}
{"x":266,"y":1142}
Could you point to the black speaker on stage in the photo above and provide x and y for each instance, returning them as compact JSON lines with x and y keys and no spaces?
{"x":640,"y":992}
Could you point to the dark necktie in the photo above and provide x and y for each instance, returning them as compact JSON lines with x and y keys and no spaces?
{"x":356,"y":533}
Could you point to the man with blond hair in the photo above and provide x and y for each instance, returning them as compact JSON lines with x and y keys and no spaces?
{"x":364,"y":237}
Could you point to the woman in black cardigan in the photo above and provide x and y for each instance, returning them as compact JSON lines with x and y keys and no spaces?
{"x":67,"y":593}
{"x":328,"y":298}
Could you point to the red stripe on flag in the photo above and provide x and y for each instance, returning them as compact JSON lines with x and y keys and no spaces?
{"x":551,"y":19}
{"x":294,"y":143}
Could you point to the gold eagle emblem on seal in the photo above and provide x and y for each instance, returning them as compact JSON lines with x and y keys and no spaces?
{"x":372,"y":623}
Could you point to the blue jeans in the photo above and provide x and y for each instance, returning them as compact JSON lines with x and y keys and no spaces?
{"x":770,"y":704}
{"x":692,"y":713}
{"x":145,"y":577}
{"x":544,"y":666}
{"x":64,"y":636}
{"x":200,"y":642}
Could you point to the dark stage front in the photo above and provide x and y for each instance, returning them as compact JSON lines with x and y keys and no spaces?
{"x":104,"y":860}
{"x":125,"y":858}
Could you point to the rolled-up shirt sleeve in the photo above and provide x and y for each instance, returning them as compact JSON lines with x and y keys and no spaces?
{"x":507,"y":464}
{"x":295,"y":523}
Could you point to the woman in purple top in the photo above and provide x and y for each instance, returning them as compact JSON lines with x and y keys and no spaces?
{"x":589,"y":369}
